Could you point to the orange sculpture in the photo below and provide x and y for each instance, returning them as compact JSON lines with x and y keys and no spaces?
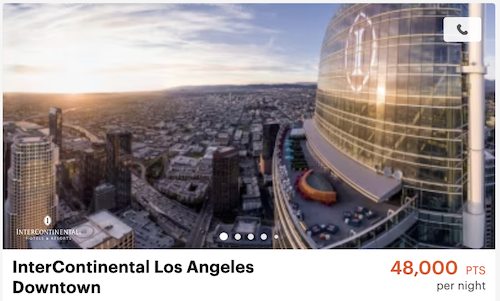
{"x":325,"y":197}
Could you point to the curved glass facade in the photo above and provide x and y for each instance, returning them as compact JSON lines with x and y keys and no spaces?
{"x":390,"y":96}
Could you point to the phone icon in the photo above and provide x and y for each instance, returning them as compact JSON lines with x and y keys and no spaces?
{"x":459,"y":28}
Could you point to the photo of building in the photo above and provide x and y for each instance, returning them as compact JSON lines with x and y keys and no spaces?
{"x":364,"y":125}
{"x":391,"y":123}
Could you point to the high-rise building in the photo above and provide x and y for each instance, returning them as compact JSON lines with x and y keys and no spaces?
{"x":7,"y":144}
{"x":69,"y":168}
{"x":119,"y":165}
{"x":391,"y":122}
{"x":104,"y":197}
{"x":55,"y":126}
{"x":32,"y":189}
{"x":92,"y":163}
{"x":270,"y":131}
{"x":225,"y":181}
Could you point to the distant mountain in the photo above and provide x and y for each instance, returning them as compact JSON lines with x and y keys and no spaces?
{"x":239,"y":88}
{"x":489,"y":86}
{"x":305,"y":83}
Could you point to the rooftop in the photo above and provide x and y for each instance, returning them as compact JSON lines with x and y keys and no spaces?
{"x":54,"y":110}
{"x":22,"y":129}
{"x":103,"y":188}
{"x":183,"y":160}
{"x":44,"y":131}
{"x":31,"y":139}
{"x":313,"y":213}
{"x":98,"y":228}
{"x":228,"y":151}
{"x":28,"y":126}
{"x":247,"y":225}
{"x":147,"y":235}
{"x":209,"y":152}
{"x":297,"y":132}
{"x":377,"y":187}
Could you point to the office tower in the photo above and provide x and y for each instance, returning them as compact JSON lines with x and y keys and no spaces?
{"x":69,"y":168}
{"x":270,"y":131}
{"x":92,"y":163}
{"x":119,"y":164}
{"x":32,"y":189}
{"x":55,"y":126}
{"x":391,"y":122}
{"x":225,"y":181}
{"x":104,"y":197}
{"x":7,"y":144}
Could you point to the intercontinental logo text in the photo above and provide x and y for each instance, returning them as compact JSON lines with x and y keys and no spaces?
{"x":39,"y":232}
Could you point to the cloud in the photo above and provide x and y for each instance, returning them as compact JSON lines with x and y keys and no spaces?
{"x":25,"y":69}
{"x":168,"y":44}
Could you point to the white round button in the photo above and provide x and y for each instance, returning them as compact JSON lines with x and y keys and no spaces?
{"x":223,"y":236}
{"x":250,"y":236}
{"x":237,"y":236}
{"x":263,"y":236}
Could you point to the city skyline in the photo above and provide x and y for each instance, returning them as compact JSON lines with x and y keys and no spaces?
{"x":393,"y":148}
{"x":72,"y":48}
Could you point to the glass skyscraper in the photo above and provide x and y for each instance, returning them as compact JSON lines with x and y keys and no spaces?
{"x":390,"y":96}
{"x":391,"y":107}
{"x":55,"y":126}
{"x":32,"y":189}
{"x":119,"y":164}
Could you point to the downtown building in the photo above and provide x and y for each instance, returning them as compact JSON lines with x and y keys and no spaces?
{"x":391,"y":132}
{"x":270,"y":131}
{"x":7,"y":144}
{"x":92,"y":166}
{"x":104,"y":198}
{"x":119,"y":165}
{"x":102,"y":230}
{"x":55,"y":126}
{"x":32,"y":189}
{"x":225,"y":190}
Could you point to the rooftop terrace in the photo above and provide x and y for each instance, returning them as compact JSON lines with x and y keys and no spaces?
{"x":315,"y":215}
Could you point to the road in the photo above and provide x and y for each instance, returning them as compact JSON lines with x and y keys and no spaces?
{"x":143,"y":169}
{"x":80,"y":129}
{"x":45,"y":115}
{"x":197,"y":236}
{"x":174,"y":218}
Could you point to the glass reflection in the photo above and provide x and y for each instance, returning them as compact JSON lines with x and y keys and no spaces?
{"x":401,"y":105}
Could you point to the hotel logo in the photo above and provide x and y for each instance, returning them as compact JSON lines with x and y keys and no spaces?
{"x":361,"y":35}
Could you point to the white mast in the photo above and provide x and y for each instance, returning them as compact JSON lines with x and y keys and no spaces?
{"x":474,"y":218}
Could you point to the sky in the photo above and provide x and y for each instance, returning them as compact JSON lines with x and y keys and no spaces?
{"x":78,"y":48}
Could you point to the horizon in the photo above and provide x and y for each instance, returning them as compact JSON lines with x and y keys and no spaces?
{"x":120,"y":48}
{"x":305,"y":84}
